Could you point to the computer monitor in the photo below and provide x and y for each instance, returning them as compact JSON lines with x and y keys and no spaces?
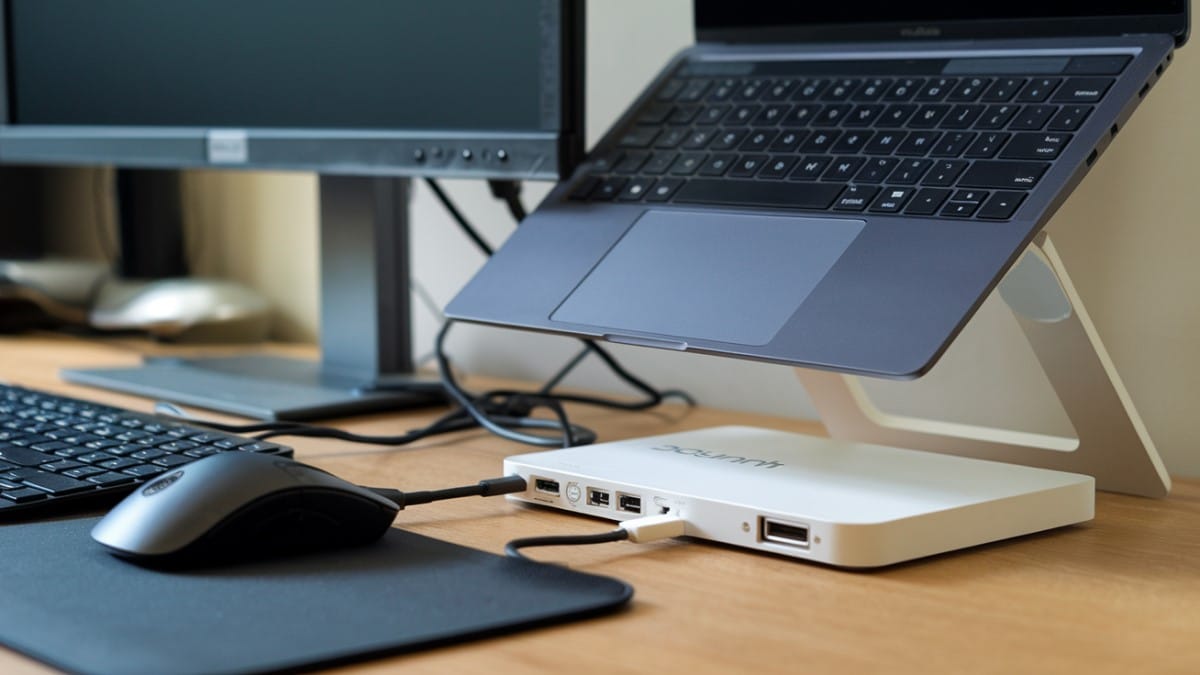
{"x":364,"y":93}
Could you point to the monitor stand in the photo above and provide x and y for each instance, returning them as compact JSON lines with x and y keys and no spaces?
{"x":1111,"y":443}
{"x":366,"y":345}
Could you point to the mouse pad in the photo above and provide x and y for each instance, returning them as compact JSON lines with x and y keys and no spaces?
{"x":65,"y":601}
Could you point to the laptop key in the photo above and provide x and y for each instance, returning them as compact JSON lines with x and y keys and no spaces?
{"x":885,"y":142}
{"x":876,"y":170}
{"x":747,"y":166}
{"x":717,"y":165}
{"x":608,"y":189}
{"x":728,"y":139}
{"x":25,"y":456}
{"x":1003,"y":89}
{"x":585,"y":188}
{"x":640,"y":137}
{"x":694,"y":90}
{"x":856,"y":198}
{"x":987,"y":145}
{"x":23,"y":495}
{"x":631,"y":162}
{"x":687,"y":164}
{"x":944,"y":173}
{"x":969,"y":89}
{"x":1001,"y":205}
{"x":997,"y":116}
{"x":910,"y":171}
{"x":936,"y":89}
{"x":670,"y":90}
{"x":1003,"y":175}
{"x":810,"y":168}
{"x":872,"y":90}
{"x":927,"y":201}
{"x":892,"y":200}
{"x":712,"y":114}
{"x":757,"y":141}
{"x":904,"y":89}
{"x":777,"y":167}
{"x":671,"y":138}
{"x":657,"y":165}
{"x":816,"y":196}
{"x":723,"y":90}
{"x":821,"y":141}
{"x":1038,"y":90}
{"x":1033,"y":117}
{"x":1083,"y":89}
{"x":663,"y":189}
{"x":56,"y":484}
{"x":843,"y":168}
{"x":962,"y":116}
{"x":1070,"y":118}
{"x":897,"y":115}
{"x":634,"y":190}
{"x":810,"y":90}
{"x":788,"y":141}
{"x":953,"y":144}
{"x":1036,"y":146}
{"x":929,"y":116}
{"x":841,"y":90}
{"x":918,"y":143}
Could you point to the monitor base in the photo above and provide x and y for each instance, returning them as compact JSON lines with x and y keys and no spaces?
{"x":262,"y":387}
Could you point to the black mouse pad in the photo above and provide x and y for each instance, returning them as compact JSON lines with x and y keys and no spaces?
{"x":65,"y":601}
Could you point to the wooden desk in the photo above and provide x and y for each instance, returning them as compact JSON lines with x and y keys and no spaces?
{"x":1118,"y":595}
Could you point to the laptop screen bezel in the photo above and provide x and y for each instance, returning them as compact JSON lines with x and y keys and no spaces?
{"x":1177,"y":24}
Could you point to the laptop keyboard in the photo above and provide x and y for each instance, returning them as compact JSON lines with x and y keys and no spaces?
{"x":60,"y":454}
{"x":953,"y":147}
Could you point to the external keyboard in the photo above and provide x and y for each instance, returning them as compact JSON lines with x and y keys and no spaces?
{"x":62,"y":454}
{"x":896,"y":143}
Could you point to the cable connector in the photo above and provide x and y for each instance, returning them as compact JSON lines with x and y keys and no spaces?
{"x":654,"y":528}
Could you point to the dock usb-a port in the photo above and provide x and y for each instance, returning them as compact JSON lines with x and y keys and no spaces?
{"x":782,"y":532}
{"x":629,"y":503}
{"x":597,"y":497}
{"x":546,"y":486}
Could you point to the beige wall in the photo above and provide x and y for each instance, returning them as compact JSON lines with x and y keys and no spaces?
{"x":1129,"y":234}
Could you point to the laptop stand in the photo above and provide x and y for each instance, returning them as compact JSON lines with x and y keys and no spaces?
{"x":1111,"y":442}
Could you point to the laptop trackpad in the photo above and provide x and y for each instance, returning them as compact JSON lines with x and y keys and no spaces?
{"x":726,"y":277}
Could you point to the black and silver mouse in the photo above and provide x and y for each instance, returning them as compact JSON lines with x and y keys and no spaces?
{"x":238,"y":506}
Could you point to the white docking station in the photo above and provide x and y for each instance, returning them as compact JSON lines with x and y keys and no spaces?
{"x":844,"y":504}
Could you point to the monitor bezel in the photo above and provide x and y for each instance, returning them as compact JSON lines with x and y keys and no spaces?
{"x":1177,"y":25}
{"x":498,"y":154}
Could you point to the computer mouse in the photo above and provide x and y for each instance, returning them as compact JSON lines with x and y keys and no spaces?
{"x":237,"y":506}
{"x":182,"y":310}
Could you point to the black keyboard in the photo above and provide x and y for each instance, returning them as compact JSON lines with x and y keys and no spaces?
{"x":61,"y":454}
{"x":926,"y":145}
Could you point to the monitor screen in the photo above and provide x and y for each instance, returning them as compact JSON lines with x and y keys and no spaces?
{"x":443,"y":87}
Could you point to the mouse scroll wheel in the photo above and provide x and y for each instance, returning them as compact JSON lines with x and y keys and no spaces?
{"x":161,"y":484}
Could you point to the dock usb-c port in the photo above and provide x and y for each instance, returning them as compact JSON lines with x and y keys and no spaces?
{"x":782,"y":532}
{"x":546,"y":486}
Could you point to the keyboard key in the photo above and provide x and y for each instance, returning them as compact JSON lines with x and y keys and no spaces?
{"x":843,"y":168}
{"x":1036,"y":146}
{"x":694,"y":90}
{"x":997,"y":116}
{"x":1033,"y":117}
{"x":864,"y":115}
{"x":728,"y":139}
{"x":634,"y":190}
{"x":817,"y":196}
{"x":904,"y":89}
{"x":110,"y":478}
{"x":976,"y":196}
{"x":885,"y":142}
{"x":1001,"y":205}
{"x":781,"y":90}
{"x":747,"y":166}
{"x":743,"y":114}
{"x":712,"y":114}
{"x":855,"y":198}
{"x":670,"y":90}
{"x":876,"y":170}
{"x":969,"y":89}
{"x":631,"y":162}
{"x":1070,"y":118}
{"x":1002,"y":175}
{"x":757,"y":141}
{"x":1083,"y":89}
{"x":61,"y":465}
{"x":788,"y":141}
{"x":1038,"y":90}
{"x":832,"y":115}
{"x":897,"y":115}
{"x":987,"y":145}
{"x":661,"y":191}
{"x":802,"y":115}
{"x":777,"y":167}
{"x":936,"y":89}
{"x":1003,"y":89}
{"x":683,"y":114}
{"x":25,"y":456}
{"x":910,"y":171}
{"x":927,"y":201}
{"x":918,"y":143}
{"x":608,"y":189}
{"x":671,"y":138}
{"x":772,"y":114}
{"x":655,"y":113}
{"x":962,"y":116}
{"x":83,"y":472}
{"x":723,"y":90}
{"x":810,"y":90}
{"x":841,"y":90}
{"x":928,"y":116}
{"x":56,"y":484}
{"x":852,"y":142}
{"x":657,"y":165}
{"x":171,"y":461}
{"x":821,"y":141}
{"x":960,"y":209}
{"x":144,"y":470}
{"x":872,"y":90}
{"x":23,"y":495}
{"x":717,"y":165}
{"x":953,"y":144}
{"x":944,"y":173}
{"x":582,"y":190}
{"x":810,"y":168}
{"x":891,"y":200}
{"x":750,"y":90}
{"x":687,"y":164}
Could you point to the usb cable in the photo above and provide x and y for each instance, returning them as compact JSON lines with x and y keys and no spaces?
{"x":638,"y":531}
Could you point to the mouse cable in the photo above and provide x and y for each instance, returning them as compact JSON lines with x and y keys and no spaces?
{"x":489,"y":487}
{"x":638,"y":530}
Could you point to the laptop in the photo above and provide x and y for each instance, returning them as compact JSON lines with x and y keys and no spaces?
{"x":829,"y":185}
